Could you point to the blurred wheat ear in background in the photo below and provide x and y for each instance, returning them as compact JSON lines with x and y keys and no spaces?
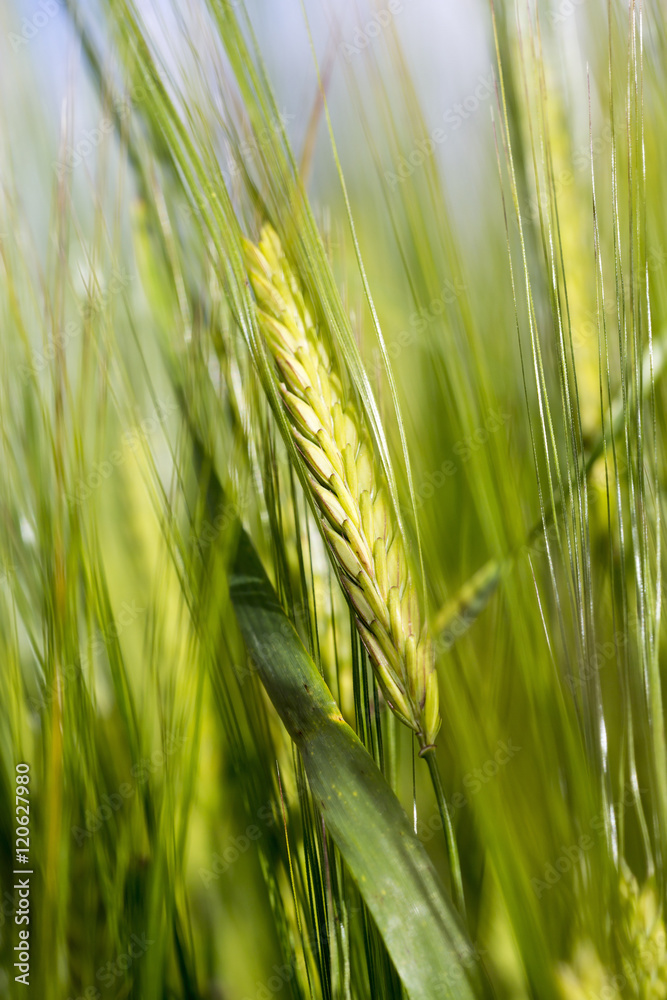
{"x":333,"y":416}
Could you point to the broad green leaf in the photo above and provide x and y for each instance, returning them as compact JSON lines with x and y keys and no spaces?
{"x":390,"y":865}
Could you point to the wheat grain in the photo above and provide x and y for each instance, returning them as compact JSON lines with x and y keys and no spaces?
{"x":349,"y":492}
{"x":640,"y":945}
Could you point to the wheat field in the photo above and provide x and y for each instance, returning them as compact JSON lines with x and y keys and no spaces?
{"x":332,"y":499}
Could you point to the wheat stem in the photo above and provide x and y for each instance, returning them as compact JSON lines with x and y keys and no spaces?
{"x":448,"y":827}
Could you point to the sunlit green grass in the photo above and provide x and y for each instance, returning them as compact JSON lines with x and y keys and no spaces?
{"x":511,"y":372}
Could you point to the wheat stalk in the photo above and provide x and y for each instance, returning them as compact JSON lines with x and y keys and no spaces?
{"x":349,"y":491}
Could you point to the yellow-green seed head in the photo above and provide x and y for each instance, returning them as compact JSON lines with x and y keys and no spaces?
{"x":346,"y":485}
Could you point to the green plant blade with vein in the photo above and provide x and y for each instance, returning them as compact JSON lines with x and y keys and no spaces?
{"x":362,"y":814}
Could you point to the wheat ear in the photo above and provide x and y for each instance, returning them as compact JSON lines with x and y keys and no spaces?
{"x":349,"y":491}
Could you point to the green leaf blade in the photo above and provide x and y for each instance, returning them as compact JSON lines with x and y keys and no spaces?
{"x":390,"y":865}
